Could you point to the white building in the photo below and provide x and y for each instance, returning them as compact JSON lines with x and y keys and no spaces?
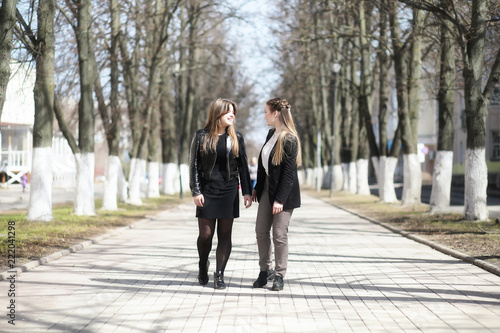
{"x":16,"y":134}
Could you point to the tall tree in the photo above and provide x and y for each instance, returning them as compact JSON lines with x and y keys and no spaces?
{"x":7,"y":24}
{"x":412,"y":174}
{"x":111,"y":113}
{"x":40,"y":204}
{"x":387,"y":162}
{"x":365,"y":105}
{"x":79,"y":16}
{"x":471,"y":22}
{"x":155,"y":38}
{"x":441,"y":178}
{"x":403,"y":86}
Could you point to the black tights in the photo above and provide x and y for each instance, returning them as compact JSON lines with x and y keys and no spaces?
{"x":224,"y":231}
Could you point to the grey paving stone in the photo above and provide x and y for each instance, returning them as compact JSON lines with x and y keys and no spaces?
{"x":345,"y":275}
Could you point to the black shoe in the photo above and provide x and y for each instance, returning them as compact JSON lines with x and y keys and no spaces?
{"x":219,"y":280}
{"x":264,"y":276}
{"x":278,"y":283}
{"x":203,"y":273}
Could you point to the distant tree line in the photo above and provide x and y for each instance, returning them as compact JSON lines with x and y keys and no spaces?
{"x":389,"y":48}
{"x":142,"y":71}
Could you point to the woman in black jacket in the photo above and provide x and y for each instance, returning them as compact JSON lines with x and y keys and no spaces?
{"x":277,"y":191}
{"x":217,"y":157}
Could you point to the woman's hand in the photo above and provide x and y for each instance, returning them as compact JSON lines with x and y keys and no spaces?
{"x":277,"y":208}
{"x":254,"y":196}
{"x":199,"y":200}
{"x":248,"y":200}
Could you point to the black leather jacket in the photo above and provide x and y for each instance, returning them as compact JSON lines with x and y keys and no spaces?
{"x":201,"y":163}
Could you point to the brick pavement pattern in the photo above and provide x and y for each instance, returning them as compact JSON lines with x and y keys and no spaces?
{"x":345,"y":275}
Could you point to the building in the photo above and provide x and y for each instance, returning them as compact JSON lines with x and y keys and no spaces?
{"x":492,"y":139}
{"x":16,"y":134}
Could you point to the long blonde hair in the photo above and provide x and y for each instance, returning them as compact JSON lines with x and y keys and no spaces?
{"x":285,"y":116}
{"x":219,"y":108}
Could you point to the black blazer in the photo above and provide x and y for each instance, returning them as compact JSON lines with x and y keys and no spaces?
{"x":283,"y":180}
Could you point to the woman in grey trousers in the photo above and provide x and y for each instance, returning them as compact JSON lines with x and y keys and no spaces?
{"x":277,"y":191}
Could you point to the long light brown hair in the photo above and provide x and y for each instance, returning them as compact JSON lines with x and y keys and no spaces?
{"x":289,"y":131}
{"x":219,"y":108}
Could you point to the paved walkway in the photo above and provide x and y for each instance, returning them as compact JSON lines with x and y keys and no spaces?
{"x":345,"y":275}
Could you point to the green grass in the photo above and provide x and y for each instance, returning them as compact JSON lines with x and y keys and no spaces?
{"x":34,"y":240}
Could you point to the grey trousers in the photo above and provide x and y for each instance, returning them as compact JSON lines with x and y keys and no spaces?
{"x":279,"y":223}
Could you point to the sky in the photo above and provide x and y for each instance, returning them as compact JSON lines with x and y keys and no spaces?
{"x":253,"y":37}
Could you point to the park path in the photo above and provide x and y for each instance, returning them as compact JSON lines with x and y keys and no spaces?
{"x":345,"y":274}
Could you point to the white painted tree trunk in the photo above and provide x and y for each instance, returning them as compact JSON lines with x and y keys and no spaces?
{"x":185,"y":178}
{"x":154,"y":179}
{"x":388,"y":167}
{"x":109,"y":201}
{"x":412,"y":186}
{"x":170,"y":175}
{"x":362,"y":186}
{"x":476,"y":182}
{"x":345,"y":176}
{"x":122,"y":187}
{"x":353,"y":187}
{"x":376,"y":167}
{"x":326,"y":177}
{"x":318,"y":178}
{"x":338,"y":177}
{"x":84,"y":200}
{"x":40,"y":204}
{"x":137,"y":176}
{"x":380,"y":174}
{"x":310,"y":177}
{"x":441,"y":182}
{"x":302,"y":177}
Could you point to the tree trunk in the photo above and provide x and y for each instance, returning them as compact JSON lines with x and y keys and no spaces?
{"x":476,"y":171}
{"x":311,"y":75}
{"x":112,"y":128}
{"x":387,"y":168}
{"x":345,"y":118}
{"x":40,"y":204}
{"x":7,"y":22}
{"x":441,"y":177}
{"x":153,"y":155}
{"x":383,"y":60}
{"x":412,"y":186}
{"x":336,"y":87}
{"x":355,"y":131}
{"x":367,"y":135}
{"x":409,"y":148}
{"x":85,"y":159}
{"x":169,"y":173}
{"x":337,"y":139}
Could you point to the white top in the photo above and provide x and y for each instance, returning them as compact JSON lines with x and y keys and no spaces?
{"x":266,"y":150}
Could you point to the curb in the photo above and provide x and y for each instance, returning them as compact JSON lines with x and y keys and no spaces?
{"x":75,"y":248}
{"x":457,"y":254}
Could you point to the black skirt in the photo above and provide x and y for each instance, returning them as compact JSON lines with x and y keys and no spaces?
{"x":221,"y":200}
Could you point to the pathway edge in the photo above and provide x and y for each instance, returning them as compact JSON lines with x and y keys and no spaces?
{"x":75,"y":248}
{"x":454,"y":253}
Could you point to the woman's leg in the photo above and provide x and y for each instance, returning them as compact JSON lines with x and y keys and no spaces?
{"x":224,"y":232}
{"x":206,"y":233}
{"x":281,"y":222}
{"x":262,"y":231}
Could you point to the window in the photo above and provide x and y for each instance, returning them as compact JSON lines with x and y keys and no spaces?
{"x":495,"y":154}
{"x":495,"y":98}
{"x":461,"y":152}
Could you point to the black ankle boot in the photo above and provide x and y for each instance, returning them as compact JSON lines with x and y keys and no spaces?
{"x":203,"y":273}
{"x":219,"y":280}
{"x":264,"y":276}
{"x":278,"y":283}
